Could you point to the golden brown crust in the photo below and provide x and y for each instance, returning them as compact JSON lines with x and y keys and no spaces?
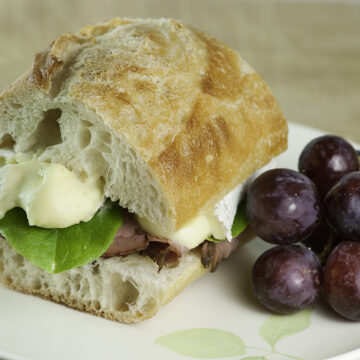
{"x":195,"y":112}
{"x":63,"y":296}
{"x":45,"y":66}
{"x":91,"y":307}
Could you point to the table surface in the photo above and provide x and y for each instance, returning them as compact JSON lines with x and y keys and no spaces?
{"x":307,"y":51}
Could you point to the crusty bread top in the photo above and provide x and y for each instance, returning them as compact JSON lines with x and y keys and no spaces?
{"x":198,"y":115}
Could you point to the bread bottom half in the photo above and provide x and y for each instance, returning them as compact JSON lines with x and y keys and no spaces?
{"x":126,"y":289}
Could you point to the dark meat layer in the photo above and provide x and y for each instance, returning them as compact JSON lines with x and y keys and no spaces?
{"x":212,"y":253}
{"x":131,"y":238}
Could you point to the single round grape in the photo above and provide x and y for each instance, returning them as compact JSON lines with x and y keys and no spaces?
{"x":287,"y":278}
{"x":342,"y":207}
{"x":341,"y":282}
{"x":283,"y":206}
{"x":326,"y":159}
{"x":322,"y":241}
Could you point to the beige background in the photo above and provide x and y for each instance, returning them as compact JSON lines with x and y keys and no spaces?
{"x":308,"y":51}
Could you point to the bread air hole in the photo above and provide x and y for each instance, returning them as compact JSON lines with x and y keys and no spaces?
{"x":84,"y":287}
{"x":95,"y":268}
{"x":97,"y":305}
{"x":16,"y":106}
{"x":84,"y":138}
{"x":97,"y":160}
{"x":7,"y":142}
{"x":48,"y":131}
{"x":77,"y":283}
{"x":19,"y":260}
{"x":35,"y":284}
{"x":105,"y":137}
{"x":124,"y":293}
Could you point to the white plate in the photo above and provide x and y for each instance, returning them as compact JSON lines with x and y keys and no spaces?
{"x":221,"y":304}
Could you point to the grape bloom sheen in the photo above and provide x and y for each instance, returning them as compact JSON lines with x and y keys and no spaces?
{"x":283,"y":206}
{"x":287,"y":278}
{"x":341,"y":283}
{"x":342,"y":207}
{"x":326,"y":159}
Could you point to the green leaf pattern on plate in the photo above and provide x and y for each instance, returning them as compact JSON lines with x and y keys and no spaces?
{"x":218,"y":344}
{"x":276,"y":327}
{"x":203,"y":343}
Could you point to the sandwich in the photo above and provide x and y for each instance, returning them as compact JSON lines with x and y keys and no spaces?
{"x":125,"y":151}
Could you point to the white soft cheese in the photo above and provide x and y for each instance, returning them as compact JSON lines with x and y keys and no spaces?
{"x":218,"y":223}
{"x":51,"y":195}
{"x":191,"y":234}
{"x":225,"y":209}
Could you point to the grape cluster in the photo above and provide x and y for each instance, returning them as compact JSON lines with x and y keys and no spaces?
{"x":320,"y":207}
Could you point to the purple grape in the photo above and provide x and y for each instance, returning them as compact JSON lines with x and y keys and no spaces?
{"x":287,"y":278}
{"x":342,"y":207}
{"x":283,"y":206}
{"x":341,"y":282}
{"x":326,"y":159}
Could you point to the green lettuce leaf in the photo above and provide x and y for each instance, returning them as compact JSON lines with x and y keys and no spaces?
{"x":240,"y":222}
{"x":57,"y":250}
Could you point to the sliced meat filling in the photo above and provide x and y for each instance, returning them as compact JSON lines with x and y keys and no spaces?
{"x":212,"y":253}
{"x":131,"y":238}
{"x":164,"y":251}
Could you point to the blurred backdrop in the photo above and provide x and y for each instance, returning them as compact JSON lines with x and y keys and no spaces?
{"x":307,"y":51}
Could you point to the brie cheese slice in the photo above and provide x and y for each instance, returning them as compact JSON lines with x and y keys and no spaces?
{"x":51,"y":195}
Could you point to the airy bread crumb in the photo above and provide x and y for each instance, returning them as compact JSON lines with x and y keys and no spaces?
{"x":126,"y":289}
